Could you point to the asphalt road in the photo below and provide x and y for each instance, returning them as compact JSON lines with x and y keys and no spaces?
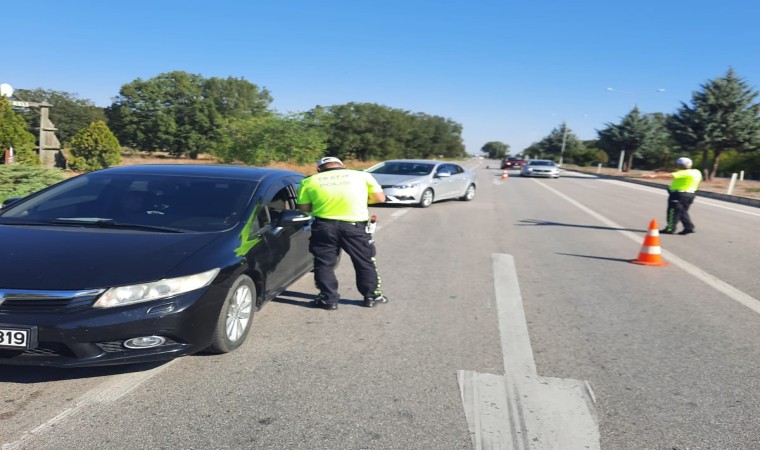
{"x":516,"y":321}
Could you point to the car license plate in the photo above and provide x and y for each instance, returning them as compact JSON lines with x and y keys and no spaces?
{"x":17,"y":338}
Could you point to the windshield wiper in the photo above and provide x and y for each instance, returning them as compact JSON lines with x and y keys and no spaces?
{"x":82,"y":220}
{"x":110,"y":223}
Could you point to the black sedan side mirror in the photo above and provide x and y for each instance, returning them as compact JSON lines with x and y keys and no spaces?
{"x":293,"y":217}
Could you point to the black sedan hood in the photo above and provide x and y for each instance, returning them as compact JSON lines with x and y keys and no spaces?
{"x":45,"y":258}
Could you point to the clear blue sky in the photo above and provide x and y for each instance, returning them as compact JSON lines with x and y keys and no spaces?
{"x":508,"y":71}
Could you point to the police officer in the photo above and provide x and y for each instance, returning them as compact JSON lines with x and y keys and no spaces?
{"x":337,"y":199}
{"x":681,"y":195}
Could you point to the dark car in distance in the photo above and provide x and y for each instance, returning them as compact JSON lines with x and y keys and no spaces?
{"x":146,"y":263}
{"x":512,"y":163}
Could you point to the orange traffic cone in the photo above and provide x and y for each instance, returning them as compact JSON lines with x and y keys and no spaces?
{"x":651,"y":253}
{"x":504,"y":174}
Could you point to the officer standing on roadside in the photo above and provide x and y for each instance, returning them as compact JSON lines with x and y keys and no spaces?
{"x":338,"y":198}
{"x":680,"y":195}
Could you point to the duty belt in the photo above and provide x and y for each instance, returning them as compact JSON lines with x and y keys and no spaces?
{"x":352,"y":222}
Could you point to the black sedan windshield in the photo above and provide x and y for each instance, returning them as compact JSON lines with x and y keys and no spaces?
{"x":190,"y":203}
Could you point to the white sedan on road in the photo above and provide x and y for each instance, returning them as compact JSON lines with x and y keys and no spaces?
{"x":540,"y":168}
{"x":422,"y":181}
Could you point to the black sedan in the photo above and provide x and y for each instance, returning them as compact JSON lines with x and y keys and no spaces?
{"x":146,"y":263}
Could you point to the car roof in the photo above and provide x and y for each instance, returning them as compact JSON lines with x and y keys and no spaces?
{"x":201,"y":170}
{"x":429,"y":161}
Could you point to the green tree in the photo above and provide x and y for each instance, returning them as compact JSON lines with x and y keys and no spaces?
{"x":445,"y":141}
{"x":735,"y":162}
{"x":95,"y":147}
{"x":13,"y":133}
{"x":367,"y":131}
{"x":261,"y":140}
{"x":495,"y":150}
{"x":533,"y":151}
{"x":659,"y":151}
{"x":182,"y":113}
{"x":560,"y":144}
{"x":590,"y":156}
{"x":563,"y":145}
{"x":636,"y":134}
{"x":69,"y":113}
{"x":236,"y":98}
{"x":722,"y":117}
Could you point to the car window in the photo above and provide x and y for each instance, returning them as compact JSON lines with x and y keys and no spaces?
{"x":79,"y":195}
{"x":184,"y":202}
{"x":446,"y":168}
{"x":402,"y":168}
{"x":281,"y":201}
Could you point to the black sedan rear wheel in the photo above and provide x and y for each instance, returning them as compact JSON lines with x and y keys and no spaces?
{"x":235,"y":318}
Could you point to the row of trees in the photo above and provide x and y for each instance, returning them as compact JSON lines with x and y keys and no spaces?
{"x":722,"y":120}
{"x":187,"y":115}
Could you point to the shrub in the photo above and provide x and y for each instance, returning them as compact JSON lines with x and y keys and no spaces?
{"x":13,"y":133}
{"x":94,"y":148}
{"x":20,"y":181}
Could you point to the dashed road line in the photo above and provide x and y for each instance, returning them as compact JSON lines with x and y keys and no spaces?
{"x":521,"y":410}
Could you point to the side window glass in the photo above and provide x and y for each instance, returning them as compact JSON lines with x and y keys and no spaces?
{"x":260,"y":217}
{"x":281,"y":201}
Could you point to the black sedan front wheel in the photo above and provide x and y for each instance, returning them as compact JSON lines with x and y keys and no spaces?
{"x":235,"y":318}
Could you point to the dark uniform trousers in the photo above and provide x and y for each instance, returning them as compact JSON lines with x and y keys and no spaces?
{"x":328,"y":238}
{"x":678,"y":210}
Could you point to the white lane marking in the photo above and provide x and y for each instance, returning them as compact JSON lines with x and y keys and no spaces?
{"x":513,"y":325}
{"x":702,"y":200}
{"x":521,"y":410}
{"x":712,"y":281}
{"x":113,"y":389}
{"x":638,"y":187}
{"x":399,"y":213}
{"x":715,"y":204}
{"x":394,"y":216}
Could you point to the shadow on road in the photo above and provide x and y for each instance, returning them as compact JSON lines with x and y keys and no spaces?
{"x":536,"y":222}
{"x":35,"y":374}
{"x":307,"y":300}
{"x":596,"y":257}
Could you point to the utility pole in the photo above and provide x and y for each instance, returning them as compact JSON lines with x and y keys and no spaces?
{"x":564,"y":141}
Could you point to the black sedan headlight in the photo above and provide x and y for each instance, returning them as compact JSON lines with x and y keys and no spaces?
{"x":145,"y":292}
